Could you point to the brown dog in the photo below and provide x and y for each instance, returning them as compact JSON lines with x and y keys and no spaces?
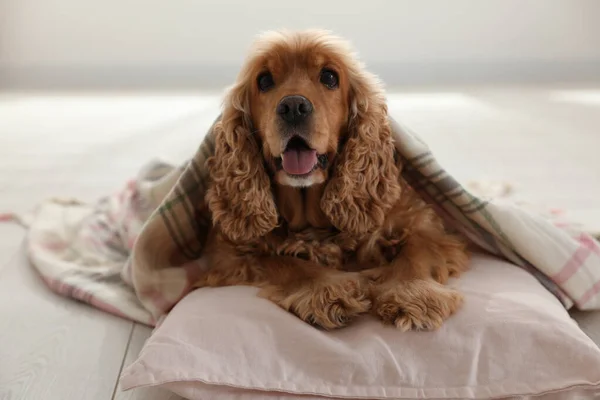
{"x":307,"y":198}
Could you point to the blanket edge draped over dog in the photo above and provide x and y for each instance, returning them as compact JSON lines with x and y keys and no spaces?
{"x":138,"y":252}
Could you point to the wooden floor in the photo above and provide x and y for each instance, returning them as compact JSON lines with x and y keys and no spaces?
{"x":544,"y":141}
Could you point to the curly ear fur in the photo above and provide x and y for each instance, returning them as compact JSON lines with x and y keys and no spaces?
{"x":364,"y":184}
{"x":239,"y":197}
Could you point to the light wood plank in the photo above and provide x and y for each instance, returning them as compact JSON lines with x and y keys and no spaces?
{"x":54,"y":348}
{"x":138,"y":338}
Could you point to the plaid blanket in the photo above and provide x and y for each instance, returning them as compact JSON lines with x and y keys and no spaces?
{"x":137,"y":252}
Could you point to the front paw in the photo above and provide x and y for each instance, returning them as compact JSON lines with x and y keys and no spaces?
{"x":416,"y":304}
{"x":329,"y":302}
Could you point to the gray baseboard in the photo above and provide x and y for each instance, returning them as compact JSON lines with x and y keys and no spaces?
{"x":217,"y":77}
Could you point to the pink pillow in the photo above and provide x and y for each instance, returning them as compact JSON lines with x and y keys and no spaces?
{"x":511,"y":338}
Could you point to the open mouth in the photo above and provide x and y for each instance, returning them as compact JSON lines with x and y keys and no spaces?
{"x":298,"y":158}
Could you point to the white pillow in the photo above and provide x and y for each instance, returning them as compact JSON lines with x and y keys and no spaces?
{"x":511,"y":338}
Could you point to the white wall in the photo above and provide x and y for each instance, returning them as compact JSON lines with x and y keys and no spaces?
{"x":187,"y":42}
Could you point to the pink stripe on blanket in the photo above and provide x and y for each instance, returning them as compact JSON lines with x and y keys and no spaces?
{"x":53,"y":246}
{"x":7,"y":217}
{"x":587,"y":245}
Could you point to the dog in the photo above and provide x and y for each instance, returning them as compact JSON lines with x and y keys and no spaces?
{"x":306,"y":196}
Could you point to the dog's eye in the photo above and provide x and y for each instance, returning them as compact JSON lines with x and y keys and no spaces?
{"x":265,"y":81}
{"x":329,"y":78}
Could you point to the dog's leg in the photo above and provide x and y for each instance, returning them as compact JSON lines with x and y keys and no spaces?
{"x":324,"y":297}
{"x":409,"y":292}
{"x":320,"y":296}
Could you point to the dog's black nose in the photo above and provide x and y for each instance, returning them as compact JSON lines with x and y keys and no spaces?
{"x":294,"y":109}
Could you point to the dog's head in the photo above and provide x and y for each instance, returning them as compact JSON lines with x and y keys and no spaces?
{"x":299,"y":105}
{"x":302,"y":112}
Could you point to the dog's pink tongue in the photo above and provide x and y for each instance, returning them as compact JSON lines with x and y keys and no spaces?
{"x":299,"y":162}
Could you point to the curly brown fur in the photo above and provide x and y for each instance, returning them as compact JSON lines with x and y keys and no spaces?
{"x":240,"y":196}
{"x":347,"y":235}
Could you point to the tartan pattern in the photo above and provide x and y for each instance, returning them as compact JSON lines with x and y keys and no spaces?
{"x":149,"y":236}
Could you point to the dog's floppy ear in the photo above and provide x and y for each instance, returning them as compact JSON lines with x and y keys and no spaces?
{"x":364,"y":184}
{"x":239,"y":196}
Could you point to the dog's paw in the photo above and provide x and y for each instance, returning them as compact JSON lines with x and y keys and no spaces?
{"x":416,"y":304}
{"x":329,"y":303}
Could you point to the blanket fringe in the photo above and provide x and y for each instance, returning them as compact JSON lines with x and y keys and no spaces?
{"x":26,"y":220}
{"x":15,"y":218}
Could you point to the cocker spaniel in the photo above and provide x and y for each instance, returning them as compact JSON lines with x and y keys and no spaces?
{"x":307,"y":199}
